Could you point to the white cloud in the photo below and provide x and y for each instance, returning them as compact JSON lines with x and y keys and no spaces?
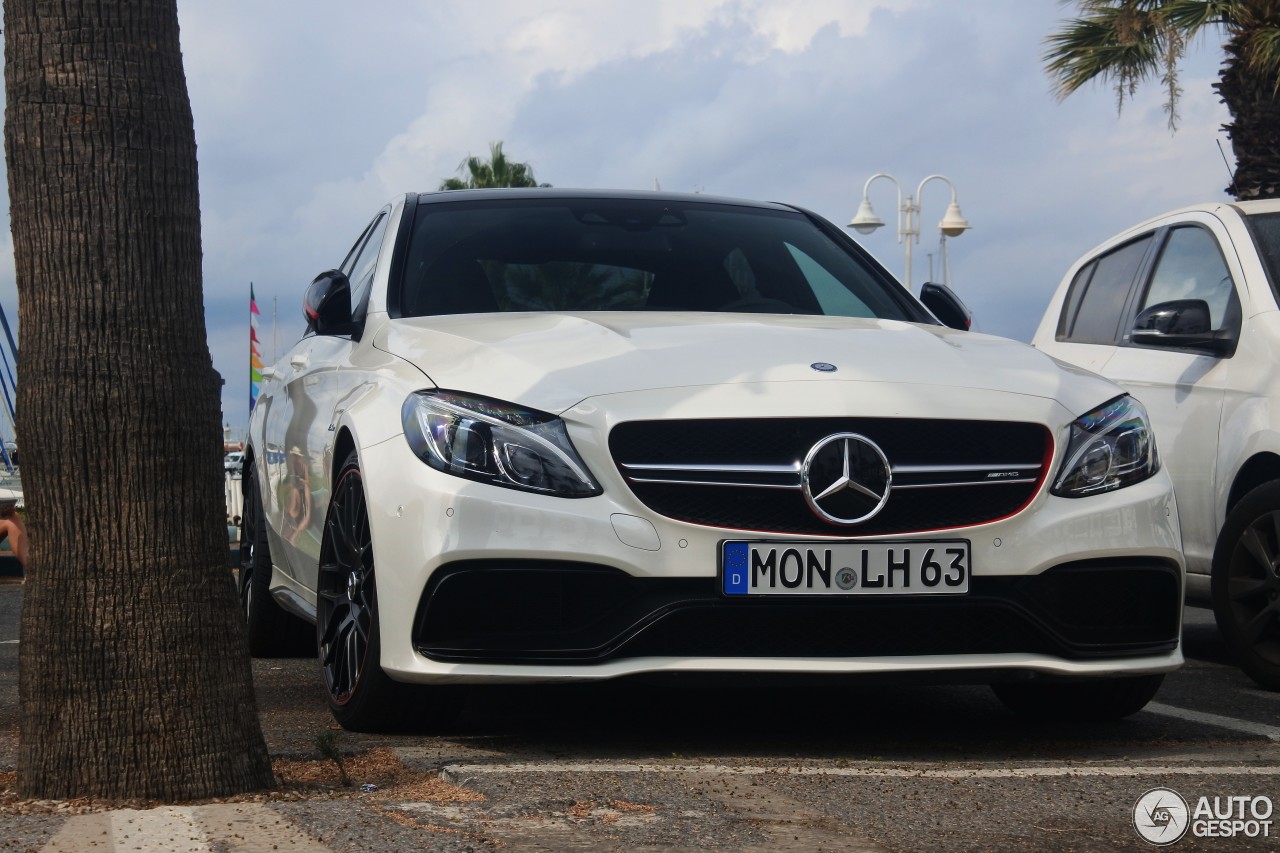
{"x":516,"y":49}
{"x":790,"y":27}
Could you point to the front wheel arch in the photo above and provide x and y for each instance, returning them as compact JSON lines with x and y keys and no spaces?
{"x":344,"y":449}
{"x":360,"y":695}
{"x":1258,"y":469}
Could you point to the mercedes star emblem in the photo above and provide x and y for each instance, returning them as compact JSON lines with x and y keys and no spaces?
{"x":846,"y":478}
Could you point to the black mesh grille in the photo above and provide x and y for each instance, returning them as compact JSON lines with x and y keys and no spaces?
{"x":786,"y":441}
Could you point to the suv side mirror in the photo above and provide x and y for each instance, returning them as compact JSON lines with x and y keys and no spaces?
{"x":1180,"y":323}
{"x":946,"y":306}
{"x":327,"y":304}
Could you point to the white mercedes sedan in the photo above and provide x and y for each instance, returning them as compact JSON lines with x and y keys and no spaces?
{"x":551,"y":435}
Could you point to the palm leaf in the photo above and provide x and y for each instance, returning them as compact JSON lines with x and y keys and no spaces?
{"x":497,"y":171}
{"x":1262,"y":53}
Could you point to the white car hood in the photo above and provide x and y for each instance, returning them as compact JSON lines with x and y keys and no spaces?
{"x":551,"y":361}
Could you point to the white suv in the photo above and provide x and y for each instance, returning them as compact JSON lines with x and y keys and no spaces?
{"x":1182,"y":312}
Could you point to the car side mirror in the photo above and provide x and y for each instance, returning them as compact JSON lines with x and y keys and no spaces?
{"x":327,"y":304}
{"x":946,"y":306}
{"x":1179,"y":323}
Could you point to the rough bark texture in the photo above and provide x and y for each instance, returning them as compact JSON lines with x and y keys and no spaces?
{"x":1254,"y":104}
{"x":135,"y":678}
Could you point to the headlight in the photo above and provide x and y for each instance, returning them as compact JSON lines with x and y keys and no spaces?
{"x":496,"y":443}
{"x":1109,"y":448}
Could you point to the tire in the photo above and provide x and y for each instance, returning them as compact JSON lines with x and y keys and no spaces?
{"x":273,"y":633}
{"x":1246,"y":584}
{"x":361,"y":696}
{"x":1086,"y":700}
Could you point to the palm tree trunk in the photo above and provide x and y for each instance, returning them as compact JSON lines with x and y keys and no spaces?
{"x":1251,"y":98}
{"x":135,"y":677}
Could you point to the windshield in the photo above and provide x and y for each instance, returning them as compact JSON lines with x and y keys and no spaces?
{"x":565,"y":254}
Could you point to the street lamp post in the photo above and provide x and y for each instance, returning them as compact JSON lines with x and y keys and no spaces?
{"x":953,"y":223}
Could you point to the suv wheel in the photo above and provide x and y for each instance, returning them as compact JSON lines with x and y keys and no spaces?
{"x":1246,"y":583}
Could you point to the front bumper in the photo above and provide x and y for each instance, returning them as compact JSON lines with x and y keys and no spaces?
{"x":480,"y":584}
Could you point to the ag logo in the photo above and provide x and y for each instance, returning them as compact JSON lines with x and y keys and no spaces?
{"x":1161,"y":816}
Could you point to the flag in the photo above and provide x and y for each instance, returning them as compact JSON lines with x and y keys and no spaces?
{"x":255,"y":351}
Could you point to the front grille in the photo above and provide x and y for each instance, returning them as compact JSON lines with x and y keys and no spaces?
{"x":529,"y":611}
{"x":746,"y":474}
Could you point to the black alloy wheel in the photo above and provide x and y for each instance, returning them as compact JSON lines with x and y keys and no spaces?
{"x":361,"y":696}
{"x":1246,"y":584}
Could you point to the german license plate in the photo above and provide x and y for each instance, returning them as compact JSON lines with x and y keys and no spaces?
{"x":936,"y":567}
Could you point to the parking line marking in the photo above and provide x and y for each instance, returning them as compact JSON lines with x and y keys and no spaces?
{"x":457,"y":772}
{"x":8,"y":642}
{"x":1272,"y":732}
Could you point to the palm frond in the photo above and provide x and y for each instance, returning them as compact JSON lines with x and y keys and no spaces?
{"x":1189,"y":17}
{"x":1128,"y":42}
{"x":1104,"y":48}
{"x":1262,"y":52}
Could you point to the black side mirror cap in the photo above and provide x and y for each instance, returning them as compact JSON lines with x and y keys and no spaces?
{"x":946,"y":306}
{"x":327,"y":304}
{"x":1180,"y":323}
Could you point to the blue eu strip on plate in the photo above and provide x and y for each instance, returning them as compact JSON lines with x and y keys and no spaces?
{"x":736,"y":562}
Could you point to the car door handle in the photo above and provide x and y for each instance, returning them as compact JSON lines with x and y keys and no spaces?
{"x":298,"y":362}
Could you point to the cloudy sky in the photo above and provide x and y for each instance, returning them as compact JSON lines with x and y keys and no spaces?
{"x":311,"y":116}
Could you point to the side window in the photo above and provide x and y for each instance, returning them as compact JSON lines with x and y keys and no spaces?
{"x":362,"y":262}
{"x":1071,"y":307}
{"x":352,"y":256}
{"x":1265,"y":228}
{"x":1191,"y":266}
{"x":1095,"y":304}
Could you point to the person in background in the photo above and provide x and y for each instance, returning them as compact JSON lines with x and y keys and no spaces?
{"x":13,"y":530}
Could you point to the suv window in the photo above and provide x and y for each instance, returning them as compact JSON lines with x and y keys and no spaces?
{"x":1191,"y":267}
{"x":1266,"y":235}
{"x":1095,"y":305}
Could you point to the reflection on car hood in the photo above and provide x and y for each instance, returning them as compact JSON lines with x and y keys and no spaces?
{"x":551,"y":361}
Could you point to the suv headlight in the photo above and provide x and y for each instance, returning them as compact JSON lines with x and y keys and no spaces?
{"x":495,"y":442}
{"x":1110,"y":448}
